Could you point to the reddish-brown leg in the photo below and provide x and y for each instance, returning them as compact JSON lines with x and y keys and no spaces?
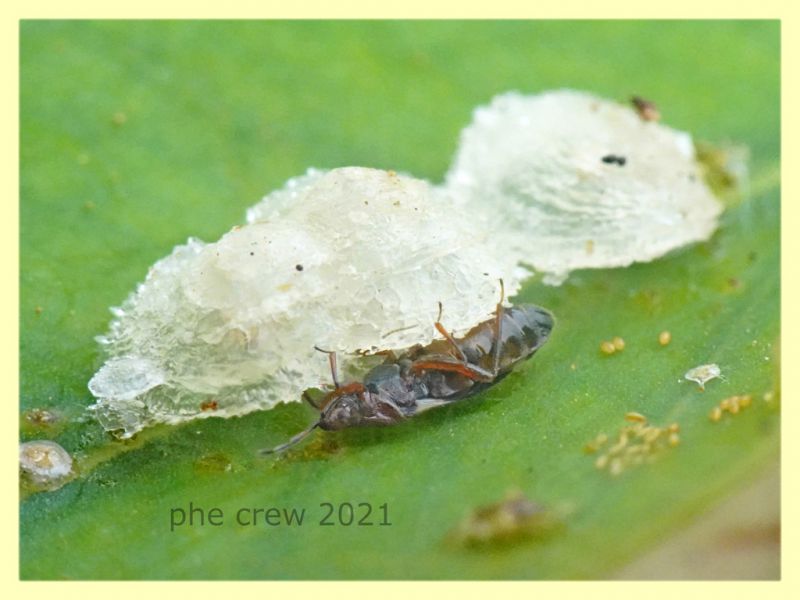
{"x":332,"y":360}
{"x":440,"y":328}
{"x":465,"y":369}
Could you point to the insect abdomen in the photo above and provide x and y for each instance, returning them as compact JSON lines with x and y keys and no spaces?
{"x":525,"y":329}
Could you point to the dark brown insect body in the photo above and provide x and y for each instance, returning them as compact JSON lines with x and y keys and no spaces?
{"x":425,"y":377}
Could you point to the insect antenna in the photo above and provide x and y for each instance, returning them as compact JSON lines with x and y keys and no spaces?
{"x":307,"y":397}
{"x":294,"y":440}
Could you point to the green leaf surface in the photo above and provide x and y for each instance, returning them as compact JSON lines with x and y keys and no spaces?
{"x":136,"y":135}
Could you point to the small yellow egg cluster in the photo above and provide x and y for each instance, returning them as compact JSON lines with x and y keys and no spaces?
{"x":730,"y":405}
{"x":634,"y":444}
{"x":611,"y":346}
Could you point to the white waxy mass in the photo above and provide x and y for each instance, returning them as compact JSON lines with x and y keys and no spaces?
{"x":44,"y":462}
{"x":573,"y":181}
{"x":350,"y":259}
{"x":703,"y":374}
{"x":357,"y":259}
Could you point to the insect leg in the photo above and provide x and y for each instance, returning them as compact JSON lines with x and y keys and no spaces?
{"x":440,"y":328}
{"x":295,"y":439}
{"x":332,"y":360}
{"x":468,"y":370}
{"x":424,"y":404}
{"x":498,"y":329}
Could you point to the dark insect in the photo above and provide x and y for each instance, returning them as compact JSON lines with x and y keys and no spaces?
{"x":424,"y":377}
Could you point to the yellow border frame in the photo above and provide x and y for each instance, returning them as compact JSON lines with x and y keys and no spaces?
{"x":601,"y":9}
